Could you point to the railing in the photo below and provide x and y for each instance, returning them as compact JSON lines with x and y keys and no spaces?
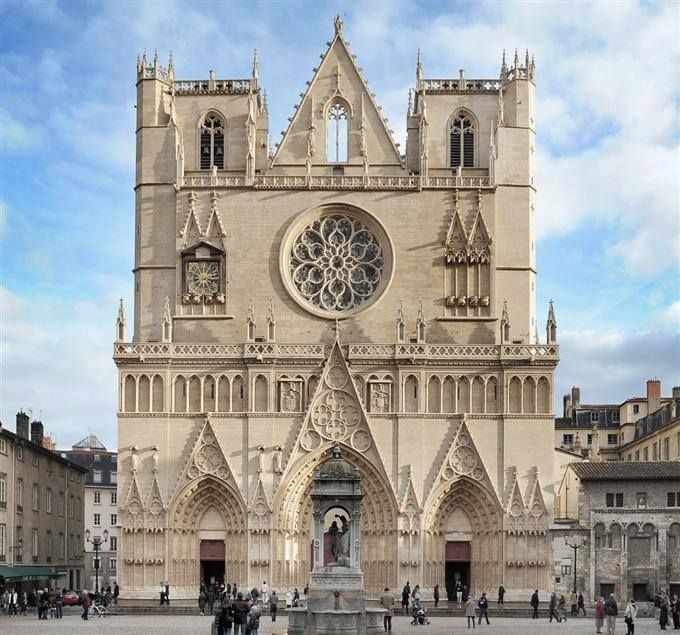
{"x":381,"y":183}
{"x":262,"y":350}
{"x":137,"y":350}
{"x":461,"y":85}
{"x":212,"y":87}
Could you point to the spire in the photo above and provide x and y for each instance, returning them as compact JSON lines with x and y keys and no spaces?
{"x":120,"y":322}
{"x":516,"y":61}
{"x":401,"y":324}
{"x":419,"y":70}
{"x":339,"y":23}
{"x":526,"y":60}
{"x":166,"y":325}
{"x":420,"y":323}
{"x":171,"y":64}
{"x":256,"y":66}
{"x":155,"y":59}
{"x":504,"y":68}
{"x":551,"y":326}
{"x":410,"y":102}
{"x":505,"y":324}
{"x":271,"y":322}
{"x":250,"y":322}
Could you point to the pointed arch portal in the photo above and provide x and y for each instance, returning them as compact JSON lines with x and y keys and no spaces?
{"x":293,"y":523}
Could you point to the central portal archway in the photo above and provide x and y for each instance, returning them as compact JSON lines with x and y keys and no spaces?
{"x":208,"y":534}
{"x":464,"y":536}
{"x":293,"y":522}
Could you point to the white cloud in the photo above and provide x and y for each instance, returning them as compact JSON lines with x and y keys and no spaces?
{"x":671,"y":314}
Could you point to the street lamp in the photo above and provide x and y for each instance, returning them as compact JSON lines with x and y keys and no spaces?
{"x":576,"y":543}
{"x":96,"y":543}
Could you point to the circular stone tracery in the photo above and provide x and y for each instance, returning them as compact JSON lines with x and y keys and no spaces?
{"x":336,"y":261}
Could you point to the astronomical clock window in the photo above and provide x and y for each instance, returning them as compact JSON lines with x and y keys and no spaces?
{"x":212,"y":142}
{"x":336,"y":261}
{"x":203,"y":284}
{"x":462,"y":141}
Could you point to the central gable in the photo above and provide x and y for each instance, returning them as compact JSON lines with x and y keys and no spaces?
{"x":338,"y":80}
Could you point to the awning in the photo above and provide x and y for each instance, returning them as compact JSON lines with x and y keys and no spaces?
{"x":21,"y":572}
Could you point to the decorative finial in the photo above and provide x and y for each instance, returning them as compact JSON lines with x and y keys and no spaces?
{"x":516,"y":60}
{"x":155,"y":59}
{"x":121,"y":310}
{"x":504,"y":68}
{"x":171,"y":63}
{"x":144,"y":62}
{"x":419,"y":69}
{"x":526,"y":59}
{"x":339,"y":23}
{"x":120,"y":323}
{"x":256,"y":65}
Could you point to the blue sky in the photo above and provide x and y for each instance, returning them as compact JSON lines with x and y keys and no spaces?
{"x":608,"y":159}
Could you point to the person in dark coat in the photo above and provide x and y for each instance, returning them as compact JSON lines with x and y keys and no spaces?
{"x":273,"y":605}
{"x":211,"y":599}
{"x":483,"y":605}
{"x":436,"y":595}
{"x":116,"y":593}
{"x":581,"y":606}
{"x":663,"y":611}
{"x":501,"y":594}
{"x":534,"y":604}
{"x":675,"y":611}
{"x":202,"y":599}
{"x":552,"y":608}
{"x":241,"y":610}
{"x":405,"y":595}
{"x":611,"y":610}
{"x":225,"y":618}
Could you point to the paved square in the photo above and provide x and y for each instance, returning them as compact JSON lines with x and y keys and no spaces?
{"x":190,"y":625}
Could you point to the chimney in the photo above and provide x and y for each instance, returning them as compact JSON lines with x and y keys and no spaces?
{"x":22,"y":424}
{"x":566,"y":402}
{"x":676,"y":392}
{"x":653,"y":395}
{"x":37,"y":432}
{"x":575,"y":398}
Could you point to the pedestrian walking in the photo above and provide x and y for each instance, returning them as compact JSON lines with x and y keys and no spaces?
{"x":611,"y":610}
{"x":599,"y":615}
{"x":629,"y":616}
{"x":12,"y":602}
{"x":296,"y":597}
{"x":663,"y":610}
{"x":387,"y":602}
{"x":562,"y":608}
{"x":573,"y":601}
{"x":534,"y":604}
{"x":59,"y":603}
{"x":305,"y":593}
{"x":675,"y":611}
{"x":470,"y":611}
{"x":552,"y":608}
{"x":405,"y":595}
{"x":580,"y":604}
{"x":202,"y":599}
{"x":273,"y":605}
{"x":501,"y":595}
{"x":459,"y":593}
{"x":483,"y":605}
{"x":161,"y":592}
{"x":435,"y":594}
{"x":116,"y":593}
{"x":234,"y":591}
{"x":84,"y":601}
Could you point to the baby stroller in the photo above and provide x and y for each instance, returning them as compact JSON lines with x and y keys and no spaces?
{"x":419,"y":616}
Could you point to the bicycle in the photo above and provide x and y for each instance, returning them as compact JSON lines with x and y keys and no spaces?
{"x":100,"y":610}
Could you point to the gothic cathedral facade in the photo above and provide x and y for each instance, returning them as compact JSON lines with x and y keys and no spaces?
{"x":335,"y":290}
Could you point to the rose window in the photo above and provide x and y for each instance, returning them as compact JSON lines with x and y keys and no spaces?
{"x":336,"y":264}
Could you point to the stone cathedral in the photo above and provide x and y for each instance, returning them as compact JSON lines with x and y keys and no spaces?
{"x":334,"y":289}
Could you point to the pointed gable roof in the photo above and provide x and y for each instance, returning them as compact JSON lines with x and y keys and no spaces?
{"x":456,"y":238}
{"x":536,"y":503}
{"x":336,"y":415}
{"x":337,"y":76}
{"x":515,"y":502}
{"x":480,"y":238}
{"x":207,"y":458}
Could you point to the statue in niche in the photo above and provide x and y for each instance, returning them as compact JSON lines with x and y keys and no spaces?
{"x":133,"y":460}
{"x":334,"y":540}
{"x":260,"y":459}
{"x":290,"y":400}
{"x":277,"y":460}
{"x":343,"y":536}
{"x":380,"y":398}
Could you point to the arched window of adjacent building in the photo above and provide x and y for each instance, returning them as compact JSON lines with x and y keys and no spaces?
{"x":615,"y":533}
{"x":337,"y":133}
{"x":599,"y":531}
{"x":674,"y":538}
{"x":462,"y":140}
{"x":212,"y":142}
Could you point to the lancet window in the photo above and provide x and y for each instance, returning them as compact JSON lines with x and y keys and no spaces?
{"x":337,"y":133}
{"x":462,"y":141}
{"x":212,"y":142}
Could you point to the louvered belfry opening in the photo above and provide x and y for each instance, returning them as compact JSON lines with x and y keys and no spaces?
{"x":462,"y":142}
{"x":212,"y":143}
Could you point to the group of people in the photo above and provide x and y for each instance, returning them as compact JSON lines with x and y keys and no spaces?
{"x":43,"y":602}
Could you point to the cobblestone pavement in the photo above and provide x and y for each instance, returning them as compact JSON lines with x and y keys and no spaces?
{"x":187,"y":625}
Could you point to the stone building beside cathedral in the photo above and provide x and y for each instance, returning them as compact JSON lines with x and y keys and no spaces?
{"x":335,"y":289}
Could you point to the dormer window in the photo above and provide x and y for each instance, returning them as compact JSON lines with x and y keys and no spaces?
{"x":212,"y":142}
{"x":462,"y":141}
{"x":337,"y":139}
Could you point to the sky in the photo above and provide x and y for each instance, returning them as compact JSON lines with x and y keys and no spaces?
{"x":607,"y":161}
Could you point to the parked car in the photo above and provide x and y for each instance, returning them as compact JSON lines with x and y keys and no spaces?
{"x":70,"y":598}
